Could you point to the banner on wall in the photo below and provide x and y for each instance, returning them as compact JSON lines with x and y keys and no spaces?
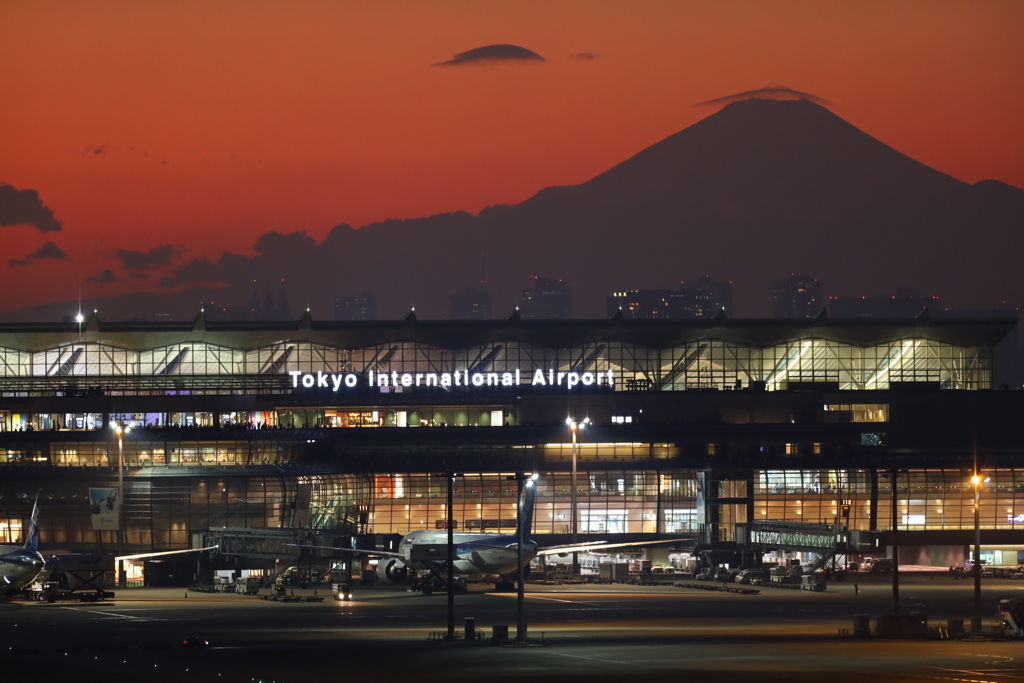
{"x":105,"y":505}
{"x":702,"y":510}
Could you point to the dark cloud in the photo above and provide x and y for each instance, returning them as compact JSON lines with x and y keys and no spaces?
{"x":771,"y":92}
{"x":196,"y":270}
{"x":275,"y":243}
{"x":492,"y":54}
{"x":583,"y":56}
{"x":143,"y":260}
{"x":23,"y":207}
{"x":273,"y":250}
{"x":103,"y":278}
{"x":48,"y":250}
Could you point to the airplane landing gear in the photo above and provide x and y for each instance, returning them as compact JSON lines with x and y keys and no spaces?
{"x":505,"y":586}
{"x":434,"y":581}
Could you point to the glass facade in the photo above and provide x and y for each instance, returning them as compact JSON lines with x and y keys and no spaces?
{"x":702,"y":364}
{"x":232,"y":426}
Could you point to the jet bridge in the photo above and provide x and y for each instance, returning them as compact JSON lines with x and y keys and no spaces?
{"x":264,"y":544}
{"x":799,"y":536}
{"x":824,"y":540}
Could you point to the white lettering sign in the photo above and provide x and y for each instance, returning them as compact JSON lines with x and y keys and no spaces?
{"x":385,"y":381}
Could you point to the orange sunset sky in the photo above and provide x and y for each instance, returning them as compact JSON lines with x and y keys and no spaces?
{"x":206,"y":124}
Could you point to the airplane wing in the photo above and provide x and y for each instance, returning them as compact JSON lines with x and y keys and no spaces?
{"x":165,"y":552}
{"x":353,"y":551}
{"x":600,"y":545}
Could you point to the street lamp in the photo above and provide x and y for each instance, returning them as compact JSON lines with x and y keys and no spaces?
{"x":523,"y":482}
{"x":575,"y":426}
{"x":120,"y":430}
{"x":976,"y":621}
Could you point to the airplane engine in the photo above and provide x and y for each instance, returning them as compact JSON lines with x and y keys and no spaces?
{"x":392,"y":570}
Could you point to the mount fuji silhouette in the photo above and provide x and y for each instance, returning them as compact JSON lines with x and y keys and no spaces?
{"x":758,"y":190}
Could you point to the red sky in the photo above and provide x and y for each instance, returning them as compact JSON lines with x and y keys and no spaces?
{"x":220,"y":121}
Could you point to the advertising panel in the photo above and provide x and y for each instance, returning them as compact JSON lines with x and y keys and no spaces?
{"x":104,"y":504}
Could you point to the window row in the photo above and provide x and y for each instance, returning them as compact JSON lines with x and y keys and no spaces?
{"x":702,"y":364}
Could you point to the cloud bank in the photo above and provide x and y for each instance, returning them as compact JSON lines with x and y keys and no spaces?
{"x":146,"y":260}
{"x":24,"y":207}
{"x":107,"y":276}
{"x":48,"y":250}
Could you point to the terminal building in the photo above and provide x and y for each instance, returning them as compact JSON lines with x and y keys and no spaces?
{"x":716,"y":429}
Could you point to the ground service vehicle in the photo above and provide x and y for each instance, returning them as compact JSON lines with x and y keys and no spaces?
{"x":748,"y":575}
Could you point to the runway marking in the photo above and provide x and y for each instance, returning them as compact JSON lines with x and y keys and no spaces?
{"x":599,"y":659}
{"x":968,"y":672}
{"x":114,"y":615}
{"x":591,"y":605}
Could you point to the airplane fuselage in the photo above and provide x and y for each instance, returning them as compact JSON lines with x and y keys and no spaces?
{"x":474,"y":553}
{"x":18,"y":568}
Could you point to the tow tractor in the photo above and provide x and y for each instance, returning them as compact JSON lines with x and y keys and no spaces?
{"x":51,"y":591}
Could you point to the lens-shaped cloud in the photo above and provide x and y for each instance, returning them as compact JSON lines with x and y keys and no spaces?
{"x":493,"y":54}
{"x":771,"y":92}
{"x":24,"y":207}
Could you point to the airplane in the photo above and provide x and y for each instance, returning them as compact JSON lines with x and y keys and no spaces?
{"x":475,"y":553}
{"x":20,"y":565}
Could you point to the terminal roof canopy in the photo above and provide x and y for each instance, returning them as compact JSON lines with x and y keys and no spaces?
{"x":461,"y":334}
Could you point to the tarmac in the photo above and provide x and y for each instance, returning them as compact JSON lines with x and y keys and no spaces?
{"x":579,"y":632}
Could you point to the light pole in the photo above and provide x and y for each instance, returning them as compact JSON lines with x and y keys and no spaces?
{"x":120,"y":430}
{"x":521,"y":522}
{"x":574,"y":426}
{"x":895,"y":547}
{"x":450,"y":523}
{"x":976,"y":620}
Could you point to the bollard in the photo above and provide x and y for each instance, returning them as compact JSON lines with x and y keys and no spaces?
{"x":470,"y":628}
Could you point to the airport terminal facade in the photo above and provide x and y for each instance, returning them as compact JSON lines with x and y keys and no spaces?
{"x":350,"y":428}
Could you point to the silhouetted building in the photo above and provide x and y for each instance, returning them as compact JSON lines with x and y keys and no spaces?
{"x":284,"y":310}
{"x":267,"y":308}
{"x":706,"y":296}
{"x":905,"y":303}
{"x":799,"y":296}
{"x":702,"y":298}
{"x":361,"y":307}
{"x":545,"y":299}
{"x":471,"y":304}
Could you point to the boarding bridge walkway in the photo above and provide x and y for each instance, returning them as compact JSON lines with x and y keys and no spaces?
{"x":822,"y":539}
{"x":265,"y":544}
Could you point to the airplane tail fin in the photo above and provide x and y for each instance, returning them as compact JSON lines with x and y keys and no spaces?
{"x":32,"y":537}
{"x":529,"y":495}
